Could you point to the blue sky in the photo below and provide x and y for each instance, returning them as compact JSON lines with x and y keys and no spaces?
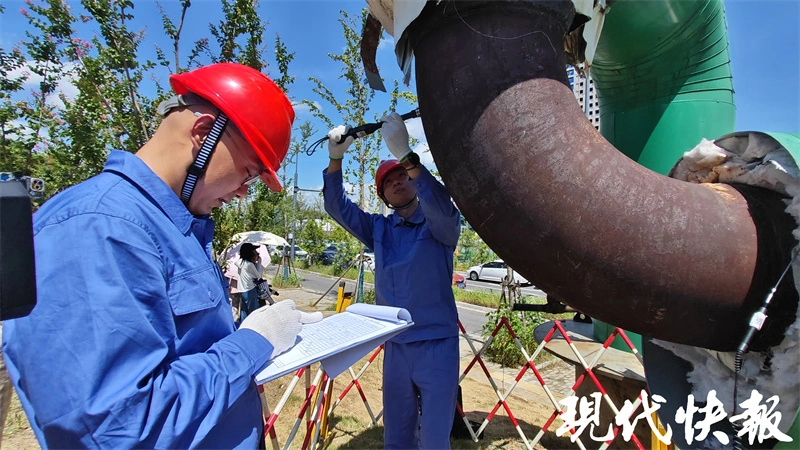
{"x":763,"y":34}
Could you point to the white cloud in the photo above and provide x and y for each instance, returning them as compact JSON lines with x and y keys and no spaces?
{"x":65,"y":85}
{"x":425,"y":156}
{"x":25,"y":130}
{"x":415,"y":130}
{"x":386,"y":42}
{"x":303,"y":108}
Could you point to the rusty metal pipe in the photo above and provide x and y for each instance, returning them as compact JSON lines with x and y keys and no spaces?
{"x":559,"y":203}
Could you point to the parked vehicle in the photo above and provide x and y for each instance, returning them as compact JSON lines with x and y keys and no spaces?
{"x":299,"y":253}
{"x":459,"y":281}
{"x":493,"y":271}
{"x":329,"y":254}
{"x":369,"y":257}
{"x":369,"y":261}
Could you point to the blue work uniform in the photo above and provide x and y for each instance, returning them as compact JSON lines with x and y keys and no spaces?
{"x":132,"y":342}
{"x":413,"y":270}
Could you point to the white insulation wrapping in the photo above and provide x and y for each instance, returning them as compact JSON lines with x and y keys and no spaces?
{"x":766,"y":164}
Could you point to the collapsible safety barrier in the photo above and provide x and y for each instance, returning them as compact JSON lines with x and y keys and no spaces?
{"x":320,"y":392}
{"x":529,"y":365}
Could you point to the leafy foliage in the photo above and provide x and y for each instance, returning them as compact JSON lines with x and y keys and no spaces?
{"x":77,"y":86}
{"x":503,"y":350}
{"x":363,"y":156}
{"x":472,"y":250}
{"x":348,"y":248}
{"x":313,"y":240}
{"x":280,"y":282}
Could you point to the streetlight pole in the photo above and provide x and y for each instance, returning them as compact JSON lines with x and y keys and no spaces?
{"x":294,"y":213}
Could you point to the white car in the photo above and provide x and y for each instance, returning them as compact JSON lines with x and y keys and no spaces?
{"x":494,"y":271}
{"x":299,"y":253}
{"x":369,"y":261}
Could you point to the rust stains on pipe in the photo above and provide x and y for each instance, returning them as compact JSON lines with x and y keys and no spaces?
{"x":554,"y":199}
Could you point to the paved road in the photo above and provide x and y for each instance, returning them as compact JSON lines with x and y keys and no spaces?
{"x":472,"y":316}
{"x":493,"y":286}
{"x":322,"y":283}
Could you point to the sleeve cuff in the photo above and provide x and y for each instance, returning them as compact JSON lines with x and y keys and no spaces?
{"x":254,"y":345}
{"x":332,"y":177}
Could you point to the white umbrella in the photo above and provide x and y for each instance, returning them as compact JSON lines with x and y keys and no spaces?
{"x":258,"y":237}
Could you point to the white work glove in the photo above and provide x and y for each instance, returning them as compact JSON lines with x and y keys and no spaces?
{"x":279,"y":324}
{"x":396,"y":136}
{"x":336,"y":150}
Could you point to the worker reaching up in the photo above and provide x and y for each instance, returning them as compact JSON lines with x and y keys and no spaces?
{"x":132,"y":343}
{"x":413,"y":248}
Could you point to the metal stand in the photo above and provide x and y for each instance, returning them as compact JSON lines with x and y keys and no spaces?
{"x":286,"y":264}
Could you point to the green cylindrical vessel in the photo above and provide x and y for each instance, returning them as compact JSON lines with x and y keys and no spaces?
{"x":663,"y":82}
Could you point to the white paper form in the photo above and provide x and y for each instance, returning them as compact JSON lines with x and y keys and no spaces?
{"x":338,"y":341}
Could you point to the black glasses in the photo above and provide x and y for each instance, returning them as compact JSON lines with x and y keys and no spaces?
{"x":250,"y":178}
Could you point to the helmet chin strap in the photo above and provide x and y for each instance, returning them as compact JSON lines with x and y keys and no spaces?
{"x":410,"y":202}
{"x":200,"y":163}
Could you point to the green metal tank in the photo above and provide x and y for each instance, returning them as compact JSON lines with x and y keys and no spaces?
{"x":663,"y":82}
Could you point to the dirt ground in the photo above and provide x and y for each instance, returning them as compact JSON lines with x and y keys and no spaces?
{"x":18,"y":433}
{"x":351,"y":425}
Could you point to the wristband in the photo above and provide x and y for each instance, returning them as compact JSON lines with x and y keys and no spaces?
{"x":411,"y":161}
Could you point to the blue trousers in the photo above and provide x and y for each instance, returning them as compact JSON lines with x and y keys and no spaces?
{"x":420,"y":385}
{"x":249,"y":302}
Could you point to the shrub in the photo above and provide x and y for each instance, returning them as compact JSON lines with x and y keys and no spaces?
{"x":280,"y":282}
{"x":503,"y":349}
{"x":369,"y":296}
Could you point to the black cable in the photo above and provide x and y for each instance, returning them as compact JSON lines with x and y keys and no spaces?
{"x":313,"y":147}
{"x":359,"y":131}
{"x":756,"y":322}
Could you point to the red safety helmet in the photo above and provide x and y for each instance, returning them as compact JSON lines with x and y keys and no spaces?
{"x":256,"y":105}
{"x":386,"y":166}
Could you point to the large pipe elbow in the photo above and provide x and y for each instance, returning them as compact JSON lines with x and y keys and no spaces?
{"x":559,"y":203}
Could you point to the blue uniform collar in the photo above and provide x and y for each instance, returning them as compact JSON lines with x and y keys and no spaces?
{"x":132,"y":168}
{"x":418,"y":218}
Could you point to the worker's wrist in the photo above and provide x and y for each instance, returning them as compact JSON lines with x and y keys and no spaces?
{"x":410,"y":161}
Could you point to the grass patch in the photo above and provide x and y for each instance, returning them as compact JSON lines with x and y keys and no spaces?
{"x":488,"y":299}
{"x":279,"y":281}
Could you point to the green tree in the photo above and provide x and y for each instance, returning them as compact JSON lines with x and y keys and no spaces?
{"x":503,"y":348}
{"x":288,"y":206}
{"x":471,"y":249}
{"x":262,"y":209}
{"x":65,"y":140}
{"x":363,"y":157}
{"x":348,"y":247}
{"x":313,"y":240}
{"x":15,"y":146}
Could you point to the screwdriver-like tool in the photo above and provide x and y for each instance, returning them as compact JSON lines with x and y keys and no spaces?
{"x":369,"y":128}
{"x":359,"y":131}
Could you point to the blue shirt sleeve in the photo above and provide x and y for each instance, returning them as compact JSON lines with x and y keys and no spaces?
{"x":344,"y":211}
{"x":440,"y":213}
{"x":108,"y":359}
